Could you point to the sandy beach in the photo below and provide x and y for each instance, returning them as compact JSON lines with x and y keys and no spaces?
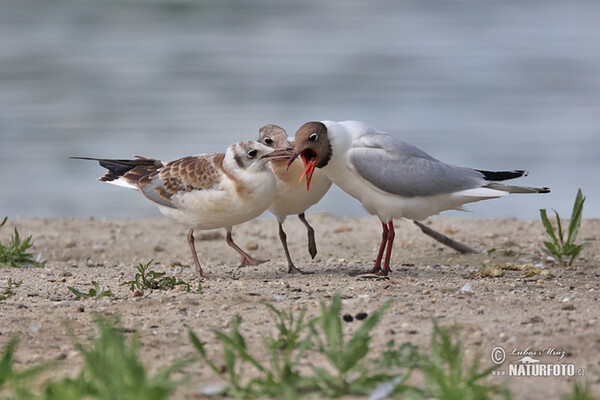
{"x":551,"y":307}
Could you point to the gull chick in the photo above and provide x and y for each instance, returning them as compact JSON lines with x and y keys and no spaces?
{"x":208,"y":191}
{"x":392,"y":178}
{"x":290,"y":196}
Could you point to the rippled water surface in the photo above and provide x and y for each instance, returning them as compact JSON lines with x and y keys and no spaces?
{"x":492,"y":85}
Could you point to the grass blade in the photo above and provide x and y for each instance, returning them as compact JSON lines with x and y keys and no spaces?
{"x":548,"y":226}
{"x":575,"y":222}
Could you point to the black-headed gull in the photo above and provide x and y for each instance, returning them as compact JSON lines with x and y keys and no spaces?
{"x":392,"y":178}
{"x":208,"y":191}
{"x":291,"y":197}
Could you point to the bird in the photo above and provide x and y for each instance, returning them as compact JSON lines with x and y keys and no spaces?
{"x":392,"y":178}
{"x":290,"y":196}
{"x":206,"y":191}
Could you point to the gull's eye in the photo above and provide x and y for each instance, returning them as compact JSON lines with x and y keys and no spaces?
{"x":313,"y":137}
{"x":268,"y":141}
{"x":252,"y":153}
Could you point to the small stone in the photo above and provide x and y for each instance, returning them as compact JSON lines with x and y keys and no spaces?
{"x":342,"y":228}
{"x":35,"y":326}
{"x":99,"y":248}
{"x":348,"y":318}
{"x":467,"y":289}
{"x":81,"y":309}
{"x":137,"y":293}
{"x":252,"y":245}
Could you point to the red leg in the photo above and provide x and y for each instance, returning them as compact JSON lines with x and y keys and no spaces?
{"x":384,"y":238}
{"x":388,"y":253}
{"x":247,"y":259}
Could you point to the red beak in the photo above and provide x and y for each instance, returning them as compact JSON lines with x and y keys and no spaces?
{"x":310,"y":162}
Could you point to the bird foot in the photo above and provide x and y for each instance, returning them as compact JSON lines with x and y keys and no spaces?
{"x":375,"y":270}
{"x":248,"y":260}
{"x":204,"y":275}
{"x":294,"y":270}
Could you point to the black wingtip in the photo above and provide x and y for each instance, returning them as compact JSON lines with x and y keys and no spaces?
{"x":497,"y":176}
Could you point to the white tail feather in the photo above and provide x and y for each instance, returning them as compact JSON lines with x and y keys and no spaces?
{"x":123,"y":183}
{"x":483,"y":193}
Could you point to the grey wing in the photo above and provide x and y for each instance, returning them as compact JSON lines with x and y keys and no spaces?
{"x":397,"y":167}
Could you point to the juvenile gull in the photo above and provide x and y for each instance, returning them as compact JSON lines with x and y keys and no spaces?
{"x":392,"y":178}
{"x":290,"y":196}
{"x":208,"y":191}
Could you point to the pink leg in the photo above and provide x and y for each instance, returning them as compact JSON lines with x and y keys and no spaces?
{"x":190,"y":238}
{"x":247,"y":259}
{"x":384,"y":238}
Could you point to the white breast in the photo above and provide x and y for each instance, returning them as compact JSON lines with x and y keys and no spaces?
{"x":291,"y":196}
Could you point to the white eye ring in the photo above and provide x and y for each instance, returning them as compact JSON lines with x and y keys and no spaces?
{"x":313,"y":137}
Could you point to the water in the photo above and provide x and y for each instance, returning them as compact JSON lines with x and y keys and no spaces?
{"x":492,"y":85}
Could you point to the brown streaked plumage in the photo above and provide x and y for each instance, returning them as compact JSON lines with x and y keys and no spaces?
{"x":209,"y":191}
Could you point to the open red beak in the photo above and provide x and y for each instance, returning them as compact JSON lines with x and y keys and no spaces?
{"x":309,"y":156}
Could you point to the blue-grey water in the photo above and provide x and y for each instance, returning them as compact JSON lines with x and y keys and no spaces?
{"x":488,"y":84}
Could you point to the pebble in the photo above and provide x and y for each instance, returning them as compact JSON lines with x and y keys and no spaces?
{"x":342,"y":228}
{"x":467,"y":289}
{"x":348,"y":318}
{"x":99,"y":248}
{"x":252,"y":245}
{"x":35,"y":326}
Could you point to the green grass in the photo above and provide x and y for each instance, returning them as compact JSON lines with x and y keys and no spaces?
{"x":7,"y":291}
{"x":14,"y":253}
{"x":146,"y":279}
{"x":564,"y":250}
{"x":581,"y":391}
{"x":96,"y":292}
{"x":346,"y":368}
{"x":113,"y":370}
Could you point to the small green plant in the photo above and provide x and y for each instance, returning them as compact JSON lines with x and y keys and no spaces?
{"x":95,"y":292}
{"x":564,"y":251}
{"x":445,"y":374}
{"x":281,"y":377}
{"x":581,"y":391}
{"x":111,"y":370}
{"x":7,"y":291}
{"x":151,"y":280}
{"x":18,"y":382}
{"x":347,"y":358}
{"x":14,"y":254}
